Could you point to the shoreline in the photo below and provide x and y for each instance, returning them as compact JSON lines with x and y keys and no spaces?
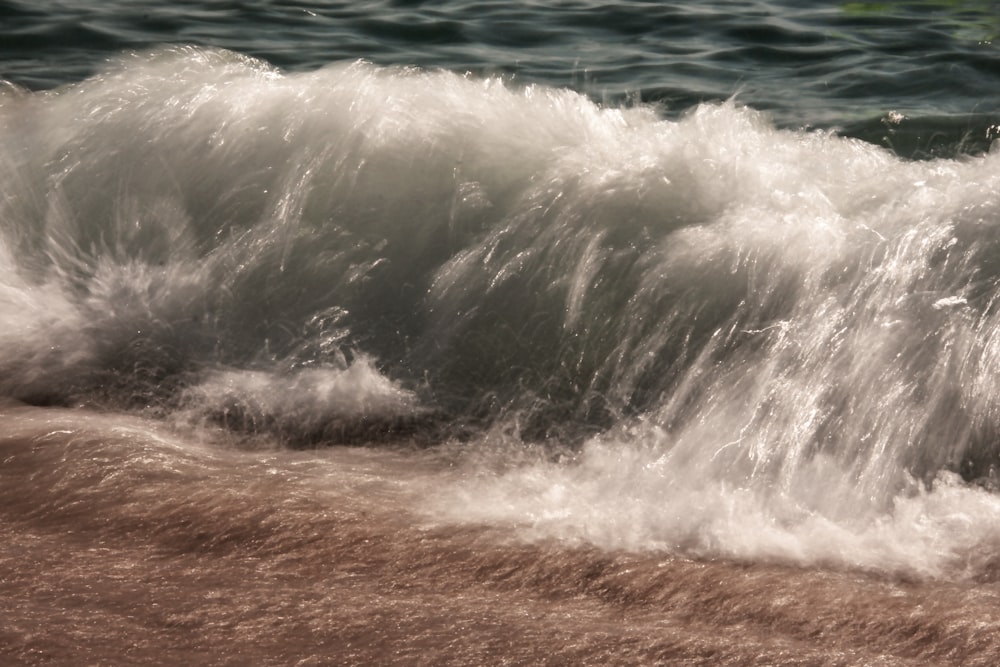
{"x":224,"y":558}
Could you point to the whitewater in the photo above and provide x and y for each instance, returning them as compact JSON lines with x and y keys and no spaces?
{"x":383,"y":339}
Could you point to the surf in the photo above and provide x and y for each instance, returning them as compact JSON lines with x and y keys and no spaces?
{"x":704,"y":334}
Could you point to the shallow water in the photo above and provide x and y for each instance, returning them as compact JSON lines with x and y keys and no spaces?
{"x":126,"y":543}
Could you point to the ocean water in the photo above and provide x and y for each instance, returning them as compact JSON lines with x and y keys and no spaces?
{"x":500,"y":333}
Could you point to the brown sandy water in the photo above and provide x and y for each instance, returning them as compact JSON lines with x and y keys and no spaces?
{"x":125,"y":545}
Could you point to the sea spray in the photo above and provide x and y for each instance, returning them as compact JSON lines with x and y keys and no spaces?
{"x":709,"y":322}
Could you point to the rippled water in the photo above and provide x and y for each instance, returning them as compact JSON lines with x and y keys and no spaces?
{"x":820,"y":64}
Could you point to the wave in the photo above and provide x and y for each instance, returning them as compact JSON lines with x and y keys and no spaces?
{"x":687,"y":315}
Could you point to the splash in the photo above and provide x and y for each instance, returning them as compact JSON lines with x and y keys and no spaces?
{"x":739,"y":339}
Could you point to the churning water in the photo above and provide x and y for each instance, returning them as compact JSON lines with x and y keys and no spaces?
{"x":581,"y":333}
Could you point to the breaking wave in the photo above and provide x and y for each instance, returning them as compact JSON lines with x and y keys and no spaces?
{"x":703,"y":334}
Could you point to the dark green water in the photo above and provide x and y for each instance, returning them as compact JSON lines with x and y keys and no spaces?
{"x":847,"y":65}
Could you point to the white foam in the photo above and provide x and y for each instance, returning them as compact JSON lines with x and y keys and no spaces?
{"x":304,"y":400}
{"x":634,"y":495}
